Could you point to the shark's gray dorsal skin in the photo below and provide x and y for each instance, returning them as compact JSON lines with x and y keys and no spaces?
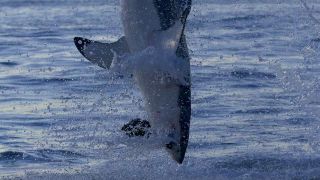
{"x":168,"y":12}
{"x":171,"y":10}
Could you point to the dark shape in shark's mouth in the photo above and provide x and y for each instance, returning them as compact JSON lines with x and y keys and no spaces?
{"x":137,"y":127}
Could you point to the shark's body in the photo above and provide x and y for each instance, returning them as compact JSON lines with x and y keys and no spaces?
{"x":159,"y":24}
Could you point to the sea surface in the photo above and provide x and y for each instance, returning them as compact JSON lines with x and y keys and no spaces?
{"x":255,"y":94}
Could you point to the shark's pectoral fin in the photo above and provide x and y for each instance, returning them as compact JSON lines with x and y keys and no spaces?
{"x":101,"y":53}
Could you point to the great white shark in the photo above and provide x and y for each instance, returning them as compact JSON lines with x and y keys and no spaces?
{"x":154,"y":50}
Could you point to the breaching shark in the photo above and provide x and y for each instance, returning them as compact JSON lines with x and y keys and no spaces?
{"x":155,"y":52}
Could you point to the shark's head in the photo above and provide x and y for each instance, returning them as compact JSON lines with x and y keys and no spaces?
{"x":176,"y":151}
{"x":177,"y":146}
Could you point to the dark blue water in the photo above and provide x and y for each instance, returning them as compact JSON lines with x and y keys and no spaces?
{"x":255,"y":94}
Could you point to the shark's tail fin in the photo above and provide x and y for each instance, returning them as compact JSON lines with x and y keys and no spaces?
{"x":101,"y":53}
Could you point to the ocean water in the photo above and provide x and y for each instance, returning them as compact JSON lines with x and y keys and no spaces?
{"x":255,"y":94}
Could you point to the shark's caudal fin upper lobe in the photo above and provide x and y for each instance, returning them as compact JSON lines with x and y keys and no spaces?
{"x":101,"y":53}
